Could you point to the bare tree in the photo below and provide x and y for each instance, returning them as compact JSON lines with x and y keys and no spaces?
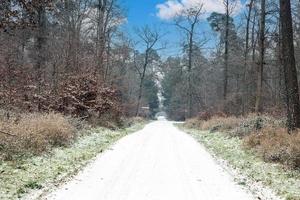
{"x":105,"y":9}
{"x":149,"y":39}
{"x":72,"y":13}
{"x":41,"y":40}
{"x":260,"y":70}
{"x":246,"y":53}
{"x":188,"y":21}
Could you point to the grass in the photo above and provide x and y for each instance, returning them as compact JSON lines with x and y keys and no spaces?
{"x":285,"y":182}
{"x":34,"y":134}
{"x":26,"y":175}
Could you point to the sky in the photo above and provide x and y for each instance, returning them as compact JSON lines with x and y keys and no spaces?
{"x":159,"y":13}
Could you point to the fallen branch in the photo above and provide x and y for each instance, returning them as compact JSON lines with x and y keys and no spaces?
{"x":5,"y":133}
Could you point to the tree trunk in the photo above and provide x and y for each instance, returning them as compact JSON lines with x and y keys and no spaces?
{"x":226,"y":53}
{"x":260,"y":70}
{"x":101,"y":38}
{"x":190,"y":63}
{"x":40,"y":48}
{"x":246,"y":55}
{"x":142,"y":78}
{"x":289,"y":64}
{"x":139,"y":97}
{"x":253,"y":41}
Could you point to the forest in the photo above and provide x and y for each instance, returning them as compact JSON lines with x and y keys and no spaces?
{"x":73,"y":57}
{"x":66,"y":65}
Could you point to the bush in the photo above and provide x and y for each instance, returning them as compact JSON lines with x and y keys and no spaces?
{"x":255,"y":123}
{"x":276,"y":145}
{"x":34,"y":134}
{"x":127,"y":122}
{"x":215,"y":123}
{"x":194,"y":123}
{"x":78,"y":95}
{"x":265,"y":134}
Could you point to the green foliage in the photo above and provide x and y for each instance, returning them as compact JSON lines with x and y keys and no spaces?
{"x":173,"y":91}
{"x":218,"y":20}
{"x":33,"y":185}
{"x":151,"y":91}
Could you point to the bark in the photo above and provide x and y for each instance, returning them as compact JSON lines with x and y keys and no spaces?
{"x":258,"y":106}
{"x":40,"y":48}
{"x":226,"y":51}
{"x":246,"y":55}
{"x":289,"y":64}
{"x":100,"y":44}
{"x":190,"y":63}
{"x":253,"y":41}
{"x":142,"y":78}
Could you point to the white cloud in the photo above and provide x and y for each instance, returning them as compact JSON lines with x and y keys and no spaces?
{"x":172,"y":8}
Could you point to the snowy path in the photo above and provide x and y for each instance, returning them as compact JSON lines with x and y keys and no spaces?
{"x":158,"y":163}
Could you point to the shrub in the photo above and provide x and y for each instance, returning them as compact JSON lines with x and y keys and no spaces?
{"x":194,"y":123}
{"x":276,"y":145}
{"x":215,"y":123}
{"x":79,"y":95}
{"x":204,"y":116}
{"x":255,"y":123}
{"x":127,"y":122}
{"x":34,"y":134}
{"x":221,"y":123}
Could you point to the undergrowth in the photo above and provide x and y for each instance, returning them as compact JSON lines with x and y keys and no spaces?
{"x":285,"y":182}
{"x":34,"y":134}
{"x":27,"y":174}
{"x":259,"y":146}
{"x":264,"y":134}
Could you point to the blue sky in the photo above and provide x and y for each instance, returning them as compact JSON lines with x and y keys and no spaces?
{"x":141,"y":12}
{"x":145,"y":12}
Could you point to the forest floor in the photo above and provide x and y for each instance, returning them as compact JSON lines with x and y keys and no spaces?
{"x":159,"y":162}
{"x":265,"y":179}
{"x":30,"y":177}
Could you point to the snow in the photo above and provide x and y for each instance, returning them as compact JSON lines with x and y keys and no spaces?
{"x":157,"y":163}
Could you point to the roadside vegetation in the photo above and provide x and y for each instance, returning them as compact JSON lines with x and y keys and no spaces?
{"x":256,"y":146}
{"x":40,"y":150}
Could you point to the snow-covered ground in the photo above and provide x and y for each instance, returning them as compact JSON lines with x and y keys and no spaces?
{"x":157,"y":163}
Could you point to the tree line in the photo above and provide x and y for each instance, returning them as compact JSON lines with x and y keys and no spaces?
{"x":71,"y":56}
{"x":253,"y":66}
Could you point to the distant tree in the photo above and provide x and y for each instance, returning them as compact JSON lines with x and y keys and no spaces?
{"x":151,"y":91}
{"x":148,"y":38}
{"x":173,"y":88}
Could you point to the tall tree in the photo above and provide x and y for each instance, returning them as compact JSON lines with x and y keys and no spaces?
{"x":260,"y":69}
{"x":149,"y":39}
{"x":188,"y":21}
{"x":227,"y":17}
{"x":104,"y":11}
{"x":246,"y":53}
{"x":230,"y":6}
{"x":288,"y":61}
